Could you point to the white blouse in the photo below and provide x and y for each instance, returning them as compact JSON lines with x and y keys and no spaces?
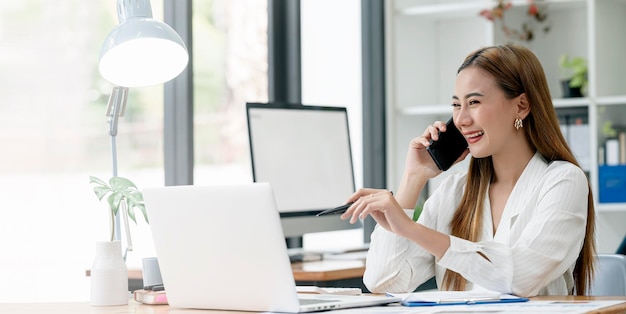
{"x":533,"y":252}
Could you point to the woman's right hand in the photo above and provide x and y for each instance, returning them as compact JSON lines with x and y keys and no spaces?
{"x":419,"y":166}
{"x":418,"y":160}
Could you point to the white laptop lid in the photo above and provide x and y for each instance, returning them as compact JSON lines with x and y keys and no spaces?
{"x":222,"y":247}
{"x":212,"y":245}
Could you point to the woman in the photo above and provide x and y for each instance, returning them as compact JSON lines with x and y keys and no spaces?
{"x":520,"y":220}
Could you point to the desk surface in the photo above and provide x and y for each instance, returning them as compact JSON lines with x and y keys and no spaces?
{"x":327,"y":270}
{"x":136,"y":308}
{"x":324,"y":270}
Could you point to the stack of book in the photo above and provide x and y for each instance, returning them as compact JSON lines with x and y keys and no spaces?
{"x":150,"y":297}
{"x":575,"y":128}
{"x":612,"y":169}
{"x":615,"y":150}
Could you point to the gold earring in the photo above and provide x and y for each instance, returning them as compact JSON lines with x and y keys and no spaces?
{"x":518,"y":124}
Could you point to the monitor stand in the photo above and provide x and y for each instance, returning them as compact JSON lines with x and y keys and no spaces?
{"x":294,"y":242}
{"x":297,"y":253}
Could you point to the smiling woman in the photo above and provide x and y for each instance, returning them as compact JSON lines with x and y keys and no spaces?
{"x":520,"y":220}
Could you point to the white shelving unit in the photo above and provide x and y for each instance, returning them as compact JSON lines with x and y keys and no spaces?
{"x":426,"y":41}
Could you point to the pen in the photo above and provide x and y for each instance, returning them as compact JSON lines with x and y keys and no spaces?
{"x":339,"y":210}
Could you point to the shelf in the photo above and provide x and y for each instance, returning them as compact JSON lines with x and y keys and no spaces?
{"x":611,"y":100}
{"x":449,"y":10}
{"x":555,"y":5}
{"x":570,"y":102}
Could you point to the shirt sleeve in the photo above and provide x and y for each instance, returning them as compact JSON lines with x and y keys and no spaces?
{"x":548,"y":246}
{"x":396,"y":264}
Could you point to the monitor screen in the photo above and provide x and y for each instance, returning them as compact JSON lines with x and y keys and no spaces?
{"x":304,"y":153}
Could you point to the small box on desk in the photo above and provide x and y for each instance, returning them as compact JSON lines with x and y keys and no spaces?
{"x":612,"y":184}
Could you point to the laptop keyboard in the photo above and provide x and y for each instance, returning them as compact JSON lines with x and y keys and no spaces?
{"x":314,"y":301}
{"x":328,"y":290}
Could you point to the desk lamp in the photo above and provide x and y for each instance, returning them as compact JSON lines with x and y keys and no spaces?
{"x":140,"y":51}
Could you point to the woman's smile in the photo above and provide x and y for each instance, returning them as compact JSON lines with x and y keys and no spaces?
{"x":474,"y":137}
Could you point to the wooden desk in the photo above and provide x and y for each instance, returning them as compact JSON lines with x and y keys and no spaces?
{"x":324,"y":273}
{"x":328,"y":270}
{"x":328,"y":273}
{"x":135,"y":308}
{"x":308,"y":271}
{"x":338,"y":273}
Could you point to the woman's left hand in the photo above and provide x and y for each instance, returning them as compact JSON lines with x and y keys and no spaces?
{"x":382,"y":206}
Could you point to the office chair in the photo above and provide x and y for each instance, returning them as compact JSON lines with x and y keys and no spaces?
{"x":610,"y":278}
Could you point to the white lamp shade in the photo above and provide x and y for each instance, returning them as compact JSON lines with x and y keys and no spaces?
{"x":142,"y":52}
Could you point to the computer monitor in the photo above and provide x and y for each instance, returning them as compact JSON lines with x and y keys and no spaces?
{"x":304,"y":153}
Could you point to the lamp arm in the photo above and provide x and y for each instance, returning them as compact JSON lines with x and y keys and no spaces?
{"x":115,"y":109}
{"x":133,"y":8}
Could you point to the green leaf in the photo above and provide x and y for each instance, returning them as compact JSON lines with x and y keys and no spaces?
{"x":118,"y":189}
{"x":577,"y":70}
{"x":608,"y":130}
{"x":101,"y":191}
{"x":121,"y":184}
{"x":576,"y":81}
{"x":417,"y":212}
{"x":131,"y":214}
{"x":136,"y":201}
{"x":114,"y":202}
{"x":93,"y":179}
{"x":142,"y":207}
{"x":134,"y":198}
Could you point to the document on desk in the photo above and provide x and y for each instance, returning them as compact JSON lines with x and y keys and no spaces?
{"x":433,"y":298}
{"x":532,"y":306}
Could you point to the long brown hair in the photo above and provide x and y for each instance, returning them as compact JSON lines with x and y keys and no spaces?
{"x":517,"y":70}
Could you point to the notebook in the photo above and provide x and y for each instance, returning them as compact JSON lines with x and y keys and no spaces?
{"x":222,"y":247}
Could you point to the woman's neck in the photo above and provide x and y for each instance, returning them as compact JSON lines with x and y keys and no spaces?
{"x":509,"y":166}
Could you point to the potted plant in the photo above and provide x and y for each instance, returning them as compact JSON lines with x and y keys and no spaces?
{"x":575,"y":75}
{"x":119,"y":190}
{"x":536,"y":17}
{"x":109,"y":274}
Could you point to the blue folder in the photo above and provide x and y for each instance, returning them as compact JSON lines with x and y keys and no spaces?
{"x":461,"y":302}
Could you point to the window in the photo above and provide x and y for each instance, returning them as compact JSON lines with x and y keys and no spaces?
{"x":230,"y":68}
{"x":54,"y":136}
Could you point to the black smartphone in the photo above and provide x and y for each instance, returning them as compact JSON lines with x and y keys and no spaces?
{"x":448,"y":148}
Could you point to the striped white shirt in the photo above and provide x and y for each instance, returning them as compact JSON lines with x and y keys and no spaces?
{"x":533,"y":252}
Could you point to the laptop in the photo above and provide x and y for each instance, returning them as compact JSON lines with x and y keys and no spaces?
{"x":222,"y":248}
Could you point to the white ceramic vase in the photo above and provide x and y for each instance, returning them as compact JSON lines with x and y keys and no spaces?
{"x":109,"y":275}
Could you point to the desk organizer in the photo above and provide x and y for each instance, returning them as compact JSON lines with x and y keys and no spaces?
{"x":612,"y":181}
